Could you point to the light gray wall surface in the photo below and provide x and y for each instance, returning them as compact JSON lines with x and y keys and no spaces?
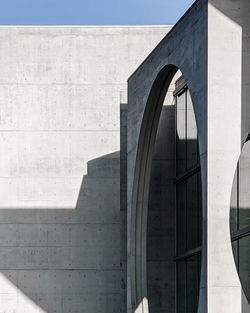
{"x":59,"y":164}
{"x":228,"y":127}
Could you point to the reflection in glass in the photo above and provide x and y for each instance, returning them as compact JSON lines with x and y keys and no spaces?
{"x":244,"y":265}
{"x":192,"y":143}
{"x":181,"y":133}
{"x":181,"y":217}
{"x":235,"y":247}
{"x":244,"y":186}
{"x":192,"y":283}
{"x":189,"y":209}
{"x":181,"y":287}
{"x":234,"y":204}
{"x":240,"y":218}
{"x":193,"y":212}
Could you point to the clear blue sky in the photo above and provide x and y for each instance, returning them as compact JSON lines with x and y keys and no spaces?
{"x":91,"y":12}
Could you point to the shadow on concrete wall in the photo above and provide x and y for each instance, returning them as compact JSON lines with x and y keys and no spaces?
{"x":62,"y":261}
{"x":160,"y":235}
{"x":161,"y":218}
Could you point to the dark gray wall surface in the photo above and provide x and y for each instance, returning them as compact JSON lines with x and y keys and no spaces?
{"x":161,"y":218}
{"x":123,"y":204}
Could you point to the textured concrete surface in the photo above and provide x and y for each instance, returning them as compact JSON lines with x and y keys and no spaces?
{"x":211,"y":46}
{"x":123,"y":202}
{"x":228,"y":127}
{"x":184,"y":48}
{"x":60,"y":164}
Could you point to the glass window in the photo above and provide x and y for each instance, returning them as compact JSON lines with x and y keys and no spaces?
{"x":189,"y":209}
{"x":235,"y":246}
{"x":244,"y":185}
{"x":181,"y":287}
{"x":181,"y":217}
{"x":193,"y":283}
{"x":193,"y":212}
{"x":181,"y":133}
{"x":234,"y":204}
{"x":244,"y":265}
{"x":240,"y":218}
{"x":192,"y":143}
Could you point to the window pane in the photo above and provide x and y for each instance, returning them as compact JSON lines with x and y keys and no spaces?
{"x":244,"y":265}
{"x":244,"y":186}
{"x":188,"y":205}
{"x":235,"y":247}
{"x":192,"y":283}
{"x":233,"y":204}
{"x":199,"y":269}
{"x":199,"y":213}
{"x":181,"y":287}
{"x":181,"y":133}
{"x":192,"y":212}
{"x":192,"y":144}
{"x":181,"y":217}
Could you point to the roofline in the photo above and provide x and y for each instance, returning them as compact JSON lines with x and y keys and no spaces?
{"x":171,"y":30}
{"x":85,"y":26}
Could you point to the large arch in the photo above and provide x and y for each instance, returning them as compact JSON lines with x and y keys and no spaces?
{"x":142,"y":175}
{"x":206,"y":60}
{"x":146,"y":95}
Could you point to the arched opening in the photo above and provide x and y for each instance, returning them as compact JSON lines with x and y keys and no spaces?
{"x":240,"y":218}
{"x":168,"y":221}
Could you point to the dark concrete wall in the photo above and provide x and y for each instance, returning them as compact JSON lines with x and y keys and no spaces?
{"x":123,"y":204}
{"x":161,"y":218}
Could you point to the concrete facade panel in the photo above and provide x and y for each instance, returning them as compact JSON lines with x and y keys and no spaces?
{"x":228,"y":126}
{"x":60,"y":164}
{"x":210,"y":45}
{"x":184,"y":48}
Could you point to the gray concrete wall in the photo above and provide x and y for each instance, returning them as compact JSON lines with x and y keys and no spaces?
{"x":123,"y":203}
{"x":218,"y":77}
{"x":59,"y":164}
{"x":184,"y":48}
{"x":228,"y":127}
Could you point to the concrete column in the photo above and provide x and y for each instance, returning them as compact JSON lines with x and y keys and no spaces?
{"x":226,"y":134}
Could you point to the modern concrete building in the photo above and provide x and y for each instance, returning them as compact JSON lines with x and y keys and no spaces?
{"x":127,"y":198}
{"x":60,"y":91}
{"x":189,"y":250}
